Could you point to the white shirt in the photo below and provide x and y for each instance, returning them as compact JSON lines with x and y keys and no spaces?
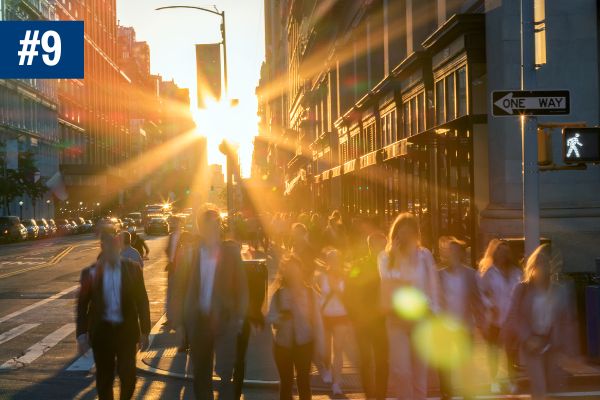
{"x":542,"y":312}
{"x":334,"y":306}
{"x":498,"y":289}
{"x":208,"y":267}
{"x":111,"y":285}
{"x":455,"y":289}
{"x":173,"y":240}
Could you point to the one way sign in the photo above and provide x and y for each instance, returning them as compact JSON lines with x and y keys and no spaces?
{"x":520,"y":102}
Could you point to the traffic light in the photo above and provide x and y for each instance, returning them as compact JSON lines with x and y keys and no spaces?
{"x":581,"y":145}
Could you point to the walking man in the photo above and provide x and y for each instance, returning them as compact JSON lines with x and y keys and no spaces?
{"x":128,"y":251}
{"x":212,"y":301}
{"x":113,"y":316}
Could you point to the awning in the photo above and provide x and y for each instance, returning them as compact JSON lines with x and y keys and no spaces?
{"x":438,"y":132}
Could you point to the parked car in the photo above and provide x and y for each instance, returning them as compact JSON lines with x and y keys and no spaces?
{"x":64,"y":227}
{"x":53,"y":227}
{"x":33,"y":230}
{"x":45,"y":230}
{"x":11,"y":229}
{"x":74,"y":226}
{"x":84,"y":226}
{"x":157,"y":226}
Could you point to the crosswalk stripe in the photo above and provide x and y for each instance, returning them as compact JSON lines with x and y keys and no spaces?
{"x":40,"y":348}
{"x":39,"y":303}
{"x":83,"y":363}
{"x":13,"y":333}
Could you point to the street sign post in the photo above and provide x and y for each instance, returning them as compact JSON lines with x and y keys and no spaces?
{"x":510,"y":103}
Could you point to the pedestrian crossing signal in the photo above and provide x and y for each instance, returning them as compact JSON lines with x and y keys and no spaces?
{"x":581,"y":145}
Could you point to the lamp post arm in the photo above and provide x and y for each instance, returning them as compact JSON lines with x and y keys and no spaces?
{"x":223,"y":36}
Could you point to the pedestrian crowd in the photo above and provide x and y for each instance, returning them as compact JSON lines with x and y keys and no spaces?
{"x":343,"y":293}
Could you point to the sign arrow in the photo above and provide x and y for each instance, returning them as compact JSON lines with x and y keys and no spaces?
{"x":507,"y":103}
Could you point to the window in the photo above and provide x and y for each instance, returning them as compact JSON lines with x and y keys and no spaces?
{"x":461,"y":91}
{"x":388,"y":128}
{"x":450,"y":98}
{"x":440,"y":112}
{"x":406,"y":119}
{"x":539,"y":25}
{"x":421,"y":111}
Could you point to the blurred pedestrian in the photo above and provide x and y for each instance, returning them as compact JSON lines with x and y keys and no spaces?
{"x":364,"y":285}
{"x":113,"y":317}
{"x":538,"y":321}
{"x":129,"y":252}
{"x":171,"y":250}
{"x":461,"y":301}
{"x":336,"y":322}
{"x":406,"y":268}
{"x":297,"y":328}
{"x":211,"y":301}
{"x":138,"y":243}
{"x":316,"y":232}
{"x":301,"y":247}
{"x":498,"y":278}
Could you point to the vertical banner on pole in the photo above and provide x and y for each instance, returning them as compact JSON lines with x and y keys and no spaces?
{"x":208,"y":72}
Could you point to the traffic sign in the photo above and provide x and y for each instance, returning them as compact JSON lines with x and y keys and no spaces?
{"x":506,"y":103}
{"x":581,"y":145}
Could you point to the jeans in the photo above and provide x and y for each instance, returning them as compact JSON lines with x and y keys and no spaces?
{"x":287,"y":359}
{"x":408,"y":373}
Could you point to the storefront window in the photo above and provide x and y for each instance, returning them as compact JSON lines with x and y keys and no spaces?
{"x":450,"y":97}
{"x":461,"y":89}
{"x":406,"y":118}
{"x":440,"y":116}
{"x":421,"y":111}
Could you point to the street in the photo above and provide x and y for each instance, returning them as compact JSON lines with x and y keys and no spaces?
{"x":38,"y":359}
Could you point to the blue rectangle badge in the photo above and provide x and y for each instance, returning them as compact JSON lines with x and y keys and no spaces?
{"x":41,"y":49}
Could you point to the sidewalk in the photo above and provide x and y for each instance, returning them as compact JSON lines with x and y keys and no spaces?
{"x":163,"y":359}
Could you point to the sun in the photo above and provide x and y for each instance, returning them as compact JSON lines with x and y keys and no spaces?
{"x":232,"y":121}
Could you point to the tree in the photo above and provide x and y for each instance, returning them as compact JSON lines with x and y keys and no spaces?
{"x":9,"y":182}
{"x":35,"y":189}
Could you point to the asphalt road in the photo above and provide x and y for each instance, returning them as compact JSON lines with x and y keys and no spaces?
{"x":38,"y":285}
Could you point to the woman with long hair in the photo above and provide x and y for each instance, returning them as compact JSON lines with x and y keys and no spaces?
{"x":538,"y":321}
{"x":407,"y":270}
{"x":498,"y":276}
{"x":297,"y":328}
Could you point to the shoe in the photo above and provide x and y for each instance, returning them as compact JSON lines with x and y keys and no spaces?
{"x":326,"y":376}
{"x":336,"y":390}
{"x":495,"y":388}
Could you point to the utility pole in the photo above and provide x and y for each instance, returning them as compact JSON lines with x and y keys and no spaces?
{"x":530,"y":170}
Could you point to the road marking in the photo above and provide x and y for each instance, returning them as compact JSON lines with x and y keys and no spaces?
{"x":40,"y":348}
{"x":38,"y":304}
{"x":83,"y":363}
{"x":13,"y":333}
{"x":53,"y":261}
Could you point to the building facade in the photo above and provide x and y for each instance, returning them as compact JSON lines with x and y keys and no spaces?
{"x":386,"y":109}
{"x":94,"y":112}
{"x":28,"y":117}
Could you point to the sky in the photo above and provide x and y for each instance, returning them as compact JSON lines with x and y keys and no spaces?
{"x":172,"y":34}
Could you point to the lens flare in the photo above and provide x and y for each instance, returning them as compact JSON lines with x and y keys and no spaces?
{"x":442,"y":341}
{"x":410,"y":303}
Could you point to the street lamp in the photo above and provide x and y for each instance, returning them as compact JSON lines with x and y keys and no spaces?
{"x":223,"y":34}
{"x":48,"y":204}
{"x":21,"y":209}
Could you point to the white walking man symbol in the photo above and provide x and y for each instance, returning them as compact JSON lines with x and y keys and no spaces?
{"x":572,"y":144}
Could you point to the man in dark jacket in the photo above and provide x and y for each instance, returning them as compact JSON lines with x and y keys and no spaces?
{"x":211,"y":302}
{"x":113,"y":316}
